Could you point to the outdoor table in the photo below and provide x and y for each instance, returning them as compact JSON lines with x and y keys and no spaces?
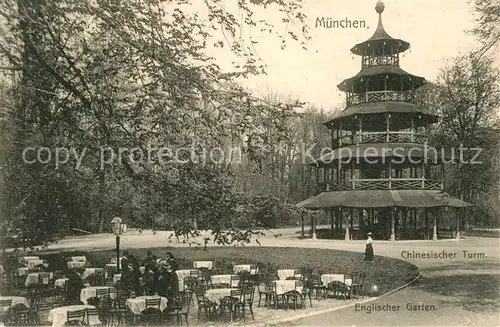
{"x":247,"y":268}
{"x":76,"y":264}
{"x":59,"y":316}
{"x":60,"y":282}
{"x":203,"y":264}
{"x":286,"y":273}
{"x":79,"y":258}
{"x":224,"y":279}
{"x":91,"y":272}
{"x":90,"y":292}
{"x":22,"y":271}
{"x":328,"y":278}
{"x":1,"y":269}
{"x":34,"y":263}
{"x":217,"y":294}
{"x":32,"y":278}
{"x":15,"y":301}
{"x":138,"y":304}
{"x":283,"y":286}
{"x":26,"y":259}
{"x":181,"y":274}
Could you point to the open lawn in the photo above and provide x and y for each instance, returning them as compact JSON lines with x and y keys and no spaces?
{"x":386,"y":273}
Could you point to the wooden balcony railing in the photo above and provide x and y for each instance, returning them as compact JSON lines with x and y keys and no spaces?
{"x":383,"y":184}
{"x":378,"y":96}
{"x":380,"y":137}
{"x":388,"y":60}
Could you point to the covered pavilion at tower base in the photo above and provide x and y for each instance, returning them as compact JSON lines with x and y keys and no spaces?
{"x":388,"y":214}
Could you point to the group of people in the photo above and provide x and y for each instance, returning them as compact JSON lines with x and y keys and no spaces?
{"x":158,"y":276}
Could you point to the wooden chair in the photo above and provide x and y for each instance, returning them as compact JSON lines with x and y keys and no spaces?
{"x":153,"y":303}
{"x":209,"y":308}
{"x":247,"y":300}
{"x":232,"y":303}
{"x":295,"y":296}
{"x":75,"y":318}
{"x":358,"y":280}
{"x":92,"y":312}
{"x":182,"y":302}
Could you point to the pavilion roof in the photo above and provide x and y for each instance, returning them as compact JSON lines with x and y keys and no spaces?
{"x":383,"y":198}
{"x":381,"y":108}
{"x":379,"y":70}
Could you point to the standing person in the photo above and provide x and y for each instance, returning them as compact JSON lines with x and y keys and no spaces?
{"x":168,"y":283}
{"x":369,"y":248}
{"x":172,"y":261}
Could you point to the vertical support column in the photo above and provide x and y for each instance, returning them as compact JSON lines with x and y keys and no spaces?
{"x":443,"y":176}
{"x":340,"y":134}
{"x":426,"y":222}
{"x":434,"y":228}
{"x":332,"y":214}
{"x":423,"y":173}
{"x":341,"y":217}
{"x":353,"y":185}
{"x":302,"y":226}
{"x":360,"y":127}
{"x":390,"y":173}
{"x":387,"y":126}
{"x":393,"y":234}
{"x":351,"y":216}
{"x":412,"y":129}
{"x":313,"y":227}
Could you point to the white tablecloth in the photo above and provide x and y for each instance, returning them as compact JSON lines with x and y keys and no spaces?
{"x":58,"y":316}
{"x":32,"y":278}
{"x":224,"y":279}
{"x":138,"y":304}
{"x":90,"y":292}
{"x":76,"y":264}
{"x":22,"y":271}
{"x":90,"y":272}
{"x":79,"y":258}
{"x":34,"y":263}
{"x":181,"y":274}
{"x":285,"y":273}
{"x":15,"y":301}
{"x":247,"y":268}
{"x":283,"y":286}
{"x":327,"y":278}
{"x":26,"y":259}
{"x":116,"y":278}
{"x":217,"y":294}
{"x":60,"y":282}
{"x":1,"y":269}
{"x":203,"y":264}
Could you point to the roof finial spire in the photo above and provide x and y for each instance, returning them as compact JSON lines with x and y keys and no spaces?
{"x":379,"y":7}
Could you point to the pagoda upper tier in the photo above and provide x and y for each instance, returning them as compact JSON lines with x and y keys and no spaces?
{"x":380,"y":78}
{"x":380,"y":43}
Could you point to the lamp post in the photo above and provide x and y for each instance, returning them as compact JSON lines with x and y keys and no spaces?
{"x":118,"y":228}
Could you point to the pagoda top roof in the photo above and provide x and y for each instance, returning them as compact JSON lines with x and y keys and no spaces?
{"x":380,"y":37}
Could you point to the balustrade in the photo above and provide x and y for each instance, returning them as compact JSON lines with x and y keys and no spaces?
{"x":380,"y":137}
{"x":389,"y":60}
{"x":384,"y":184}
{"x":379,"y":96}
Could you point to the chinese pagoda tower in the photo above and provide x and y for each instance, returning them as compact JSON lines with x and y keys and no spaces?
{"x":381,"y":175}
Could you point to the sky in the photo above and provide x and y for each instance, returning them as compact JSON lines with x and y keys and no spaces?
{"x":435,"y":29}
